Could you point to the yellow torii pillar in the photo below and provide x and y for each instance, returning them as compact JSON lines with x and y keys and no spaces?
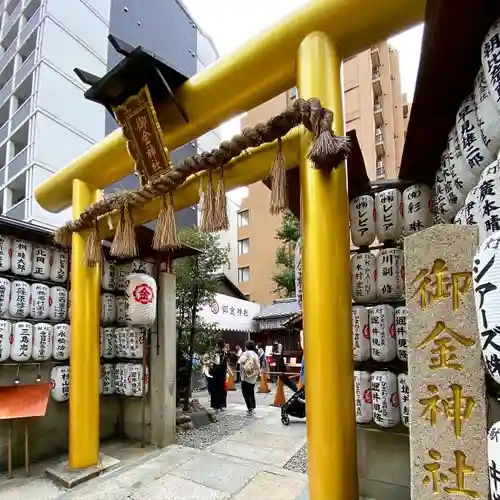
{"x":331,"y":426}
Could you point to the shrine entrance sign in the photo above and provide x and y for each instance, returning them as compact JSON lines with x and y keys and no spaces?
{"x":447,"y":392}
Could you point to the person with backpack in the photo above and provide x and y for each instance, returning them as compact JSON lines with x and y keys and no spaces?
{"x":250,"y":369}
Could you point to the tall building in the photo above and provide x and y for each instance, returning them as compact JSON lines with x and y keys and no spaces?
{"x":375,"y":108}
{"x":45,"y":121}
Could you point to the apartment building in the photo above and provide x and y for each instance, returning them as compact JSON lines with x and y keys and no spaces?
{"x":376,"y":108}
{"x":45,"y":121}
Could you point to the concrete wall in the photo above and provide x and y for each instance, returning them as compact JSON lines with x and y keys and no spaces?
{"x":49,"y":434}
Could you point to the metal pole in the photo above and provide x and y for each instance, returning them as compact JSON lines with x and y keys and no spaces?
{"x":84,"y":360}
{"x":331,"y":427}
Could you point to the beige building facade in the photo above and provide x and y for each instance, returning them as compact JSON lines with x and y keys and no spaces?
{"x":376,"y":108}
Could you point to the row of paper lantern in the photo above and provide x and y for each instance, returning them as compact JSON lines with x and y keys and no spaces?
{"x":473,"y":145}
{"x":382,"y":397}
{"x":124,"y":379}
{"x":19,"y":299}
{"x":137,"y":307}
{"x":126,"y":342}
{"x":380,"y":333}
{"x":23,"y":341}
{"x":114,"y":275}
{"x":377,"y":278}
{"x":390,"y":215}
{"x":24,"y":258}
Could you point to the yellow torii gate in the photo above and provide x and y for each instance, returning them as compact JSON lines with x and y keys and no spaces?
{"x":304,"y":49}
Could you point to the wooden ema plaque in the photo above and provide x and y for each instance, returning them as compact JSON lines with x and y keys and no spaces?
{"x":142,"y":131}
{"x":24,"y":401}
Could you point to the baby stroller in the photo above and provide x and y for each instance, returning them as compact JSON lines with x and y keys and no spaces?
{"x":294,"y":407}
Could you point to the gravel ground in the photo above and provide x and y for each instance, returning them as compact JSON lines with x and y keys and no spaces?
{"x":212,"y":433}
{"x":298,"y":463}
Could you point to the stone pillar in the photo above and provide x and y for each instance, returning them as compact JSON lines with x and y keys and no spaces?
{"x":447,"y":391}
{"x":163,"y":366}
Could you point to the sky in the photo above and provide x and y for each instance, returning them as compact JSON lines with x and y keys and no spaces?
{"x":232,"y":22}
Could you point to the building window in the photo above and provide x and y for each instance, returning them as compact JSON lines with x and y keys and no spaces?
{"x":243,"y":246}
{"x":380,"y":170}
{"x":293,"y":94}
{"x":244,"y":274}
{"x":243,"y":218}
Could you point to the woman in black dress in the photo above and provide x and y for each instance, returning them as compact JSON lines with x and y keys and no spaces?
{"x":218,"y":395}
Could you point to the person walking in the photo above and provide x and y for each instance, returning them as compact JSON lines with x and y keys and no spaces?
{"x":250,"y":369}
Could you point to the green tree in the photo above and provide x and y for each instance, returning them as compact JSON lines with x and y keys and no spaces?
{"x":196,"y":288}
{"x":288,"y":234}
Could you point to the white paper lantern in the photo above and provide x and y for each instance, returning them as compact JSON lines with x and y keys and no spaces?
{"x":443,"y":210}
{"x":385,"y":399}
{"x":62,"y":342}
{"x":108,"y":342}
{"x":464,"y":178}
{"x":417,"y":214}
{"x":488,"y":207}
{"x":382,"y":333}
{"x":119,"y":388}
{"x":471,"y":143}
{"x":362,"y":216}
{"x":127,"y":380}
{"x":123,"y":270}
{"x":487,"y":113}
{"x":486,"y":282}
{"x":109,"y":276}
{"x":452,"y":184}
{"x":22,"y":256}
{"x":58,"y":303}
{"x":42,"y":257}
{"x":490,"y":54}
{"x":390,"y":274}
{"x":4,"y":296}
{"x":108,"y":379}
{"x":121,"y":339}
{"x":404,"y":398}
{"x":141,"y":299}
{"x":59,"y":379}
{"x":136,"y":338}
{"x":137,"y":375}
{"x":388,"y":215}
{"x":39,"y":303}
{"x":121,"y":310}
{"x":492,"y":171}
{"x":43,"y":336}
{"x":5,"y":253}
{"x":471,"y":207}
{"x":5,"y":339}
{"x":460,"y":217}
{"x":360,"y":333}
{"x":59,"y":266}
{"x":140,"y":266}
{"x":108,"y":308}
{"x":364,"y":277}
{"x":19,"y":306}
{"x":22,"y":341}
{"x":494,"y":459}
{"x":363,"y":397}
{"x":401,"y":333}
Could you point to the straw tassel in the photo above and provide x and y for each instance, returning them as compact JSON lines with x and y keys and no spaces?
{"x":165,"y":237}
{"x":63,"y":237}
{"x":279,"y":188}
{"x":208,"y":216}
{"x":221,"y":217}
{"x":124,"y":244}
{"x":329,"y":150}
{"x":93,"y":252}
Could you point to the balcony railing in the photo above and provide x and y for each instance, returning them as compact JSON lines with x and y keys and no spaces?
{"x":17,"y":163}
{"x":5,"y":92}
{"x":21,"y":114}
{"x":7,"y":56}
{"x":30,"y":25}
{"x":4,"y":132}
{"x":13,"y":18}
{"x":18,"y":211}
{"x":26,"y":68}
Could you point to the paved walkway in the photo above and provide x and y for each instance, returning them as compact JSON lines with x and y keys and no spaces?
{"x":245,"y":465}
